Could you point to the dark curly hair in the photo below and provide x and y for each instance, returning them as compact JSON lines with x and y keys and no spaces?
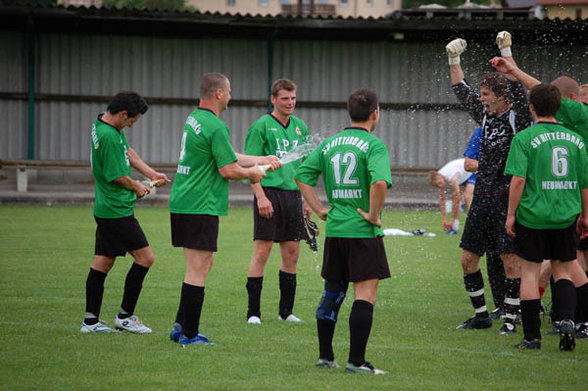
{"x":498,"y":84}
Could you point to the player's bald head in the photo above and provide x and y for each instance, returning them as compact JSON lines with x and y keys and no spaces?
{"x":568,"y":87}
{"x":211,"y":82}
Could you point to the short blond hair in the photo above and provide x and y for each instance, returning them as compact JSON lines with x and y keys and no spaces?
{"x":211,"y":82}
{"x":283,"y":84}
{"x":567,"y":86}
{"x":432,"y":177}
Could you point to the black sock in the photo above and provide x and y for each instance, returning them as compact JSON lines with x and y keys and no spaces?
{"x":94,"y":294}
{"x":531,"y":321}
{"x":287,"y":293}
{"x":496,"y":278}
{"x":360,"y":326}
{"x":474,"y":284}
{"x":512,"y":301}
{"x":582,"y":304}
{"x":133,"y":286}
{"x":254,"y":286}
{"x":554,"y":313}
{"x":566,"y":299}
{"x":191,"y":306}
{"x":326,"y":331}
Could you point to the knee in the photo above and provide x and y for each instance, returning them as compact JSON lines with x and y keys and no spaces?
{"x":146,"y":261}
{"x":512,"y":267}
{"x":331,"y":300}
{"x":291,"y":254}
{"x":261,"y":255}
{"x":468,"y":265}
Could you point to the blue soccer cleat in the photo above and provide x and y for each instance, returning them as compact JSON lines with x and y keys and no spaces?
{"x":199,"y":339}
{"x":176,"y":333}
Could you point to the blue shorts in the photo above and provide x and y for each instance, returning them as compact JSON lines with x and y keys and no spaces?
{"x":471,"y":180}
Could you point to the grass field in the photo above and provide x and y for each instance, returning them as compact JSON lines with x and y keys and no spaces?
{"x":45,"y":253}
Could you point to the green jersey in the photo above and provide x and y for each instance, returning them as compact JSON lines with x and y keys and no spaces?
{"x":268,"y":136}
{"x":574,"y":115}
{"x":110,"y":160}
{"x":350,"y":162}
{"x":554,"y":163}
{"x":199,"y":188}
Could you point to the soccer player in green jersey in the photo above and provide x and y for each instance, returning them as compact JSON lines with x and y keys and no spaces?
{"x":355,"y":166}
{"x":117,"y":231}
{"x":200,"y":194}
{"x":549,"y":188}
{"x":573,"y":114}
{"x":277,"y":204}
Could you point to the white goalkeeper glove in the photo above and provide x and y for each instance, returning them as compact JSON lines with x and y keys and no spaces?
{"x":504,"y":42}
{"x":454,"y":49}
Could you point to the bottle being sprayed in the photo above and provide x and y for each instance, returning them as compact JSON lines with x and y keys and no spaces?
{"x":263,"y":168}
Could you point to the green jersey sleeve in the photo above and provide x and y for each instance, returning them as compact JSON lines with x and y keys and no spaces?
{"x":379,"y":165}
{"x":518,"y":159}
{"x":114,"y":165}
{"x":574,"y":116}
{"x":309,"y":171}
{"x":222,"y":150}
{"x":255,"y":140}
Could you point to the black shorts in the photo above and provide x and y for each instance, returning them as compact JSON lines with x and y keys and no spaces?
{"x":354,"y":259}
{"x":484,"y":227}
{"x":287,"y":221}
{"x":583,"y":245}
{"x":116,"y":237}
{"x":198,"y":232}
{"x":535,"y":245}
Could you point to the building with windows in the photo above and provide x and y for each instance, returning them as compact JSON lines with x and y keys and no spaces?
{"x":565,"y":9}
{"x":342,"y":8}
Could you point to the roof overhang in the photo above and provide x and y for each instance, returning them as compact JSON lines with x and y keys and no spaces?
{"x":408,"y":25}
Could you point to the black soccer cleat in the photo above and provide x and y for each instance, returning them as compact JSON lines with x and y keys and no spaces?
{"x":312,"y":232}
{"x":582,"y":330}
{"x":507,"y":328}
{"x":567,"y":339}
{"x":475,"y":322}
{"x":534,"y":344}
{"x":498,"y":313}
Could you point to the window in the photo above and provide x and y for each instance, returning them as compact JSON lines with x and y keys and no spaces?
{"x":323,"y":1}
{"x":389,"y":3}
{"x":343,"y":3}
{"x":577,"y":13}
{"x":369,"y":3}
{"x":263,"y":3}
{"x":284,"y":2}
{"x":231,"y":3}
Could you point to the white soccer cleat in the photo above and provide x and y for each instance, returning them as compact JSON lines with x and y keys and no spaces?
{"x":99,"y":327}
{"x":254,"y":320}
{"x":131,"y":324}
{"x":365,"y":368}
{"x":290,"y":318}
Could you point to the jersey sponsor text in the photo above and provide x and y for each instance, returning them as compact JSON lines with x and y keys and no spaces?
{"x":552,"y":136}
{"x":346,"y":140}
{"x":347,"y":193}
{"x":185,"y":170}
{"x":559,"y":185}
{"x":194,"y":124}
